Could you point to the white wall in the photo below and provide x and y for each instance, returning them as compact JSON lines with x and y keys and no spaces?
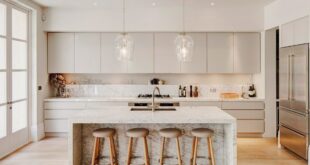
{"x":165,"y":16}
{"x":284,"y":11}
{"x":39,"y":67}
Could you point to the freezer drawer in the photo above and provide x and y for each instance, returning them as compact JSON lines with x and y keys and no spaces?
{"x":292,"y":120}
{"x":294,"y":141}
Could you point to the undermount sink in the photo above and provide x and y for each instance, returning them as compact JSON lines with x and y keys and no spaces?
{"x":150,"y":109}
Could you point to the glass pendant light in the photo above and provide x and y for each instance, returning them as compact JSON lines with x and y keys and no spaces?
{"x":184,"y":44}
{"x":124,"y":43}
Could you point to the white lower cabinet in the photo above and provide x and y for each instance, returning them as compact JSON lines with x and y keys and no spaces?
{"x":57,"y":113}
{"x":56,"y":125}
{"x":250,"y":115}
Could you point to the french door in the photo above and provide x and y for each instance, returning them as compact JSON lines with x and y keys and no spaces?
{"x":14,"y":77}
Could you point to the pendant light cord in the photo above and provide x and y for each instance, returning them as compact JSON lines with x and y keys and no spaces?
{"x":183,"y":17}
{"x":124,"y":21}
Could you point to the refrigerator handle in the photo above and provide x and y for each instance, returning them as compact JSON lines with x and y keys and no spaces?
{"x":289,"y":77}
{"x":292,"y":76}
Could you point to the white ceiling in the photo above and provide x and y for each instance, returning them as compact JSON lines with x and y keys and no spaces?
{"x":147,"y":3}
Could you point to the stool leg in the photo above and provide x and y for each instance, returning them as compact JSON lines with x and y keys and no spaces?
{"x":195,"y":150}
{"x":129,"y":151}
{"x":114,"y":151}
{"x":95,"y":152}
{"x":179,"y":151}
{"x":211,"y":153}
{"x":146,"y":152}
{"x":161,"y":161}
{"x":111,"y":151}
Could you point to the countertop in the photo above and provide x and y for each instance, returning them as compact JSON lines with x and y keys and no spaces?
{"x":135,"y":99}
{"x":122,"y":114}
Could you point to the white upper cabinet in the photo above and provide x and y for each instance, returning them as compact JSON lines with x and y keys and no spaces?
{"x":60,"y":52}
{"x":301,"y":31}
{"x":198,"y":64}
{"x":109,"y":61}
{"x":287,"y":35}
{"x":220,"y":52}
{"x":295,"y":32}
{"x":165,"y":55}
{"x":87,"y":52}
{"x":142,"y":60}
{"x":247,"y":51}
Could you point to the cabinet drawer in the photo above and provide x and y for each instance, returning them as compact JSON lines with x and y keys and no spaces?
{"x":243,"y":105}
{"x":56,"y":125}
{"x":59,"y":114}
{"x":202,"y":103}
{"x":247,"y":114}
{"x":100,"y":104}
{"x":64,"y":105}
{"x":250,"y":126}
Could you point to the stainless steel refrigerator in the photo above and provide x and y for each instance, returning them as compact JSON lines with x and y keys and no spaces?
{"x":294,"y":99}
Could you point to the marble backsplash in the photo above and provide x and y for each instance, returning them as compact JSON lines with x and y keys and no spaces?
{"x":93,"y":90}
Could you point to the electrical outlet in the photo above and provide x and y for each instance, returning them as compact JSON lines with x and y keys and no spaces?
{"x":212,"y":90}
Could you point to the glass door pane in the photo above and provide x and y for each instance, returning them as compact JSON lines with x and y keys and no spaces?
{"x":19,"y":86}
{"x":3,"y":121}
{"x":2,"y":19}
{"x":2,"y":53}
{"x":3,"y":89}
{"x":19,"y":116}
{"x":19,"y":55}
{"x":19,"y":25}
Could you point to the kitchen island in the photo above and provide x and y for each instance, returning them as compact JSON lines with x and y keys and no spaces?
{"x":121,"y":118}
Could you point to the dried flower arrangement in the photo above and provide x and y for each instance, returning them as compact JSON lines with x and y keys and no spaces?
{"x":58,"y":81}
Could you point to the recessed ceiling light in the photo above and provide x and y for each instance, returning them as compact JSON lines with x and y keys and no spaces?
{"x":212,"y":4}
{"x":95,"y":3}
{"x":153,"y":3}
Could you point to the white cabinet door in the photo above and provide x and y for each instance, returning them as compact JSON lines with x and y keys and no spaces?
{"x":142,"y":61}
{"x":247,"y":52}
{"x":109,"y":61}
{"x":287,"y":35}
{"x":220,"y":52}
{"x":165,"y":55}
{"x":301,"y":31}
{"x":198,"y":64}
{"x":60,"y":52}
{"x":87,"y":52}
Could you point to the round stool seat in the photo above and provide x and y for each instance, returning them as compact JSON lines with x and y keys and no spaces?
{"x":202,"y":132}
{"x":170,"y":132}
{"x":137,"y":132}
{"x":104,"y":132}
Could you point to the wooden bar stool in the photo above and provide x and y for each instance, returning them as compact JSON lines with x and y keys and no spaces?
{"x":202,"y":133}
{"x":170,"y":133}
{"x":138,"y":133}
{"x":104,"y":133}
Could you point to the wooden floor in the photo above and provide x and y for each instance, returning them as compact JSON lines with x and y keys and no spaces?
{"x":251,"y":151}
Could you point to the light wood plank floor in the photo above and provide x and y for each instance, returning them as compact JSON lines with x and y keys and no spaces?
{"x":251,"y":151}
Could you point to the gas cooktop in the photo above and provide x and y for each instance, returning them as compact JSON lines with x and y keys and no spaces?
{"x":150,"y":96}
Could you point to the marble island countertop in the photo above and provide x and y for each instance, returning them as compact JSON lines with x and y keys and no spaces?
{"x":121,"y":118}
{"x":122,"y":114}
{"x":135,"y":99}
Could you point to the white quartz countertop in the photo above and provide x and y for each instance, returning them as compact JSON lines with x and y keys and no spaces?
{"x":135,"y":99}
{"x":123,"y":115}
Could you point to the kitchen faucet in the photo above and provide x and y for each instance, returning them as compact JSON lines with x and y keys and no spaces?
{"x":153,"y":98}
